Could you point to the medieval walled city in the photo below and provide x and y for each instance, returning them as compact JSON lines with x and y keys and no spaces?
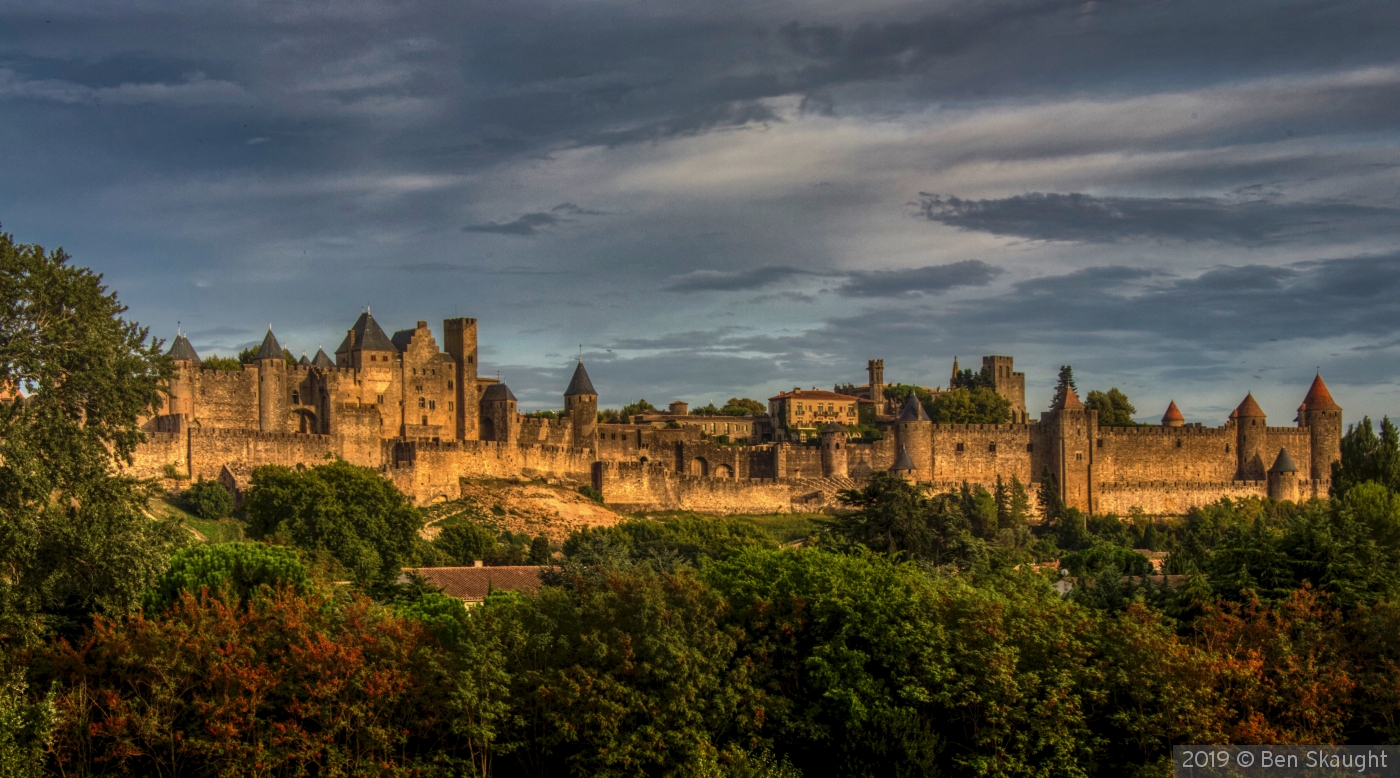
{"x":422,"y":414}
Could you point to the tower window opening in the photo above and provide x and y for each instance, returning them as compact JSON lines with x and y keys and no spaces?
{"x":992,"y":447}
{"x":960,"y":447}
{"x":432,"y":405}
{"x":425,"y":421}
{"x":296,"y":398}
{"x":379,"y":399}
{"x":422,"y":403}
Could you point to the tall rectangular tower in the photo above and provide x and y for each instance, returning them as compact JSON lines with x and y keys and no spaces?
{"x":1009,"y":384}
{"x":459,"y":340}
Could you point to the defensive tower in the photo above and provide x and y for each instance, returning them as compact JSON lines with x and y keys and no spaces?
{"x":1323,"y":418}
{"x":834,"y":450}
{"x":914,"y":431}
{"x":272,"y":384}
{"x":459,"y":340}
{"x":581,"y":406}
{"x":1251,"y":435}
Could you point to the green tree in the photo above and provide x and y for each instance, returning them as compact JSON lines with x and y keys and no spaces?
{"x":1063,"y":385}
{"x":970,"y":380}
{"x":743,"y":406}
{"x":1367,"y":456}
{"x":229,"y":571}
{"x":976,"y":406}
{"x":208,"y":499}
{"x":630,"y":673}
{"x":708,"y":409}
{"x":465,"y":543}
{"x":632,"y":409}
{"x":540,"y":551}
{"x":892,"y":517}
{"x":355,"y":514}
{"x":216,"y":362}
{"x":26,"y":727}
{"x":74,"y":534}
{"x":1113,"y":407}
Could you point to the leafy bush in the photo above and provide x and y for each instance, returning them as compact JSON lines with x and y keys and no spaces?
{"x":591,"y":493}
{"x":229,"y":571}
{"x":357,"y":515}
{"x":207,"y":500}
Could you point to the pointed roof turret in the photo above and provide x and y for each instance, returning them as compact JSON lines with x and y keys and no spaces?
{"x":366,"y":335}
{"x":902,"y":462}
{"x":321,"y":360}
{"x":834,"y":427}
{"x":1070,"y":402}
{"x":182,"y":350}
{"x":1173,"y":417}
{"x":1318,"y":399}
{"x":304,"y":362}
{"x":913,"y":410}
{"x":1284,"y":463}
{"x":580,"y":384}
{"x":497,"y":393}
{"x":1249,"y":408}
{"x":270,"y":348}
{"x":952,"y":382}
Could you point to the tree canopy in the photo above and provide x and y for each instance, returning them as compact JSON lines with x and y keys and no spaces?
{"x":976,"y":406}
{"x":1113,"y":407}
{"x":74,"y":536}
{"x":353,"y":513}
{"x":1063,"y":385}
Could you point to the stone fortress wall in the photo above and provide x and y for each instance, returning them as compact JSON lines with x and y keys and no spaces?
{"x":422,"y":416}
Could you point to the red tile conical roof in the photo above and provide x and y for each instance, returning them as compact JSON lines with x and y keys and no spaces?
{"x":1070,"y":402}
{"x":1249,"y":408}
{"x":1173,"y":414}
{"x":1319,"y":399}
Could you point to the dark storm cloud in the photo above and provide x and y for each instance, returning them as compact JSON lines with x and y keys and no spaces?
{"x":734,"y":280}
{"x":933,"y":279}
{"x":534,"y":223}
{"x":1087,"y":219}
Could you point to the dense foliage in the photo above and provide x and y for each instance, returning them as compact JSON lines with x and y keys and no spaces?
{"x":1113,"y":407}
{"x":74,"y":536}
{"x":367,"y":525}
{"x":207,"y":500}
{"x":912,"y":635}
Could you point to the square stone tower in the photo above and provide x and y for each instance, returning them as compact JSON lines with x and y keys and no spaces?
{"x":1009,"y":384}
{"x":459,"y":340}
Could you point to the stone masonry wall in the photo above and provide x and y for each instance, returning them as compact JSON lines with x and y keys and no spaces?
{"x":1137,"y":454}
{"x":634,"y":486}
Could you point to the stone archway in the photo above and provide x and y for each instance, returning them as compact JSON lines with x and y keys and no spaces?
{"x":723,"y":471}
{"x":698,"y":466}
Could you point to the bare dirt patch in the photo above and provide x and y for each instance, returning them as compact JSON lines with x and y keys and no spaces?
{"x":532,"y":507}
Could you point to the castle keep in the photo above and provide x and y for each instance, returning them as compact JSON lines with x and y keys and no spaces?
{"x":421,"y":414}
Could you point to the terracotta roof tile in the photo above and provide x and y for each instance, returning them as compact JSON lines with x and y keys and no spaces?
{"x":1173,"y":414}
{"x":1249,"y":408}
{"x":1319,"y":399}
{"x":1070,"y":402}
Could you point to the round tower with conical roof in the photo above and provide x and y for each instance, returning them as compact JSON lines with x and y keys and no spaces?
{"x":272,"y":384}
{"x":1251,"y":436}
{"x":181,"y":394}
{"x":1283,"y":478}
{"x":1323,"y":418}
{"x":581,"y":406}
{"x":914,"y":432}
{"x":1173,"y":417}
{"x":903,"y":467}
{"x":834,"y":451}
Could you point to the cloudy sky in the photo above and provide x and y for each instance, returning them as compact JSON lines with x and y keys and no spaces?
{"x":1185,"y":199}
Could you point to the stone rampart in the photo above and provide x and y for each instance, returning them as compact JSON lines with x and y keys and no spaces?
{"x":634,"y":486}
{"x":210,"y":450}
